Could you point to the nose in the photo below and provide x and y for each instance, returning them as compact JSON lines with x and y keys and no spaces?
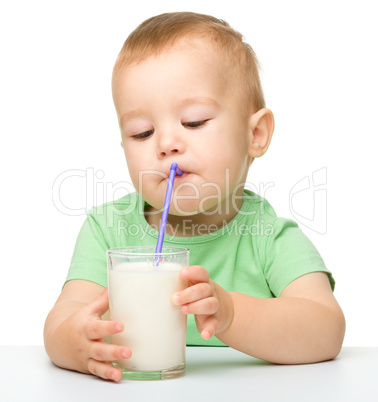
{"x":169,"y":144}
{"x":168,"y":152}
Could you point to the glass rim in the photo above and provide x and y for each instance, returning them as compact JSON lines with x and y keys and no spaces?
{"x":139,"y":251}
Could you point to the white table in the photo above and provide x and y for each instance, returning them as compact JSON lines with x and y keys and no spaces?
{"x":213,"y":374}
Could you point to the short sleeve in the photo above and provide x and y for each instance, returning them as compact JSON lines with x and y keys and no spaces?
{"x":289,"y":254}
{"x":89,"y":257}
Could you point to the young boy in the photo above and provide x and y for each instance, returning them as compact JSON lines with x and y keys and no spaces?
{"x":186,"y":89}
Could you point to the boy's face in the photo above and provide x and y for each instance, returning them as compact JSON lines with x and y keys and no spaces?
{"x":180,"y":106}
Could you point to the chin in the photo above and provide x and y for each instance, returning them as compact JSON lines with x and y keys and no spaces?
{"x":191,"y":207}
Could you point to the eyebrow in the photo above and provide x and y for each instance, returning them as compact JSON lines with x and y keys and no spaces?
{"x":202,"y":100}
{"x":129,"y":115}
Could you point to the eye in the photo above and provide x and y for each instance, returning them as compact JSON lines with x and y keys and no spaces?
{"x":142,"y":136}
{"x":195,"y":124}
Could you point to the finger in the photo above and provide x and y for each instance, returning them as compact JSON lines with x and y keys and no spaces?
{"x":104,"y":370}
{"x":204,"y":307}
{"x":193,"y":293}
{"x":209,"y":327}
{"x":102,"y":351}
{"x":195,"y":274}
{"x":100,"y":304}
{"x":98,"y":329}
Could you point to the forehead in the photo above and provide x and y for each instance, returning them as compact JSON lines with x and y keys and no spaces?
{"x":188,"y":65}
{"x":138,"y":51}
{"x":192,"y":46}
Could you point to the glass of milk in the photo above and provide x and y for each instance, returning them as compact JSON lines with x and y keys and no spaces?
{"x":140,"y":296}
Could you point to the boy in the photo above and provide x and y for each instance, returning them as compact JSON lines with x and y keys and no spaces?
{"x":186,"y":89}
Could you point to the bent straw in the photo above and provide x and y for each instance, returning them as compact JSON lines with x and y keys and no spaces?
{"x":163,"y":223}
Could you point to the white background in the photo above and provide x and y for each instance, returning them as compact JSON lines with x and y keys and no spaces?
{"x":319,"y":72}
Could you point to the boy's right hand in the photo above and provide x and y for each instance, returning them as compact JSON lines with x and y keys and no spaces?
{"x":78,"y":341}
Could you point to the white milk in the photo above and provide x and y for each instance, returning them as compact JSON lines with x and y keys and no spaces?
{"x":140,"y":296}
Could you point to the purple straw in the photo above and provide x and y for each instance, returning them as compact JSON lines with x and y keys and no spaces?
{"x":163,"y":223}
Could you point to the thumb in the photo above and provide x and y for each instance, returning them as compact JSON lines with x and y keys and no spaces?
{"x":209,"y":327}
{"x":100,"y":304}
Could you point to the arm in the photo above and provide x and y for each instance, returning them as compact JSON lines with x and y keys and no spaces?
{"x":304,"y":325}
{"x":74,"y":331}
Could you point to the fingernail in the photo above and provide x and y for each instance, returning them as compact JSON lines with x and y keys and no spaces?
{"x":176,"y":299}
{"x":184,"y":309}
{"x":124,"y":355}
{"x":206,"y":335}
{"x":118,"y":327}
{"x":185,"y":273}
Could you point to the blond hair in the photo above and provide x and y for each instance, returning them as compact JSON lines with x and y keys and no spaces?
{"x":161,"y":31}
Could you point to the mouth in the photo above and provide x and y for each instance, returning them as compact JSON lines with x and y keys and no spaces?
{"x":179,"y":172}
{"x":179,"y":176}
{"x":182,"y":175}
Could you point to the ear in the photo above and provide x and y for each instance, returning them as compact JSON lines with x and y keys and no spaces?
{"x":121,"y":144}
{"x":261,"y":128}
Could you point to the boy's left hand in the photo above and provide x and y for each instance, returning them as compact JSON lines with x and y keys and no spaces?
{"x":211,"y":304}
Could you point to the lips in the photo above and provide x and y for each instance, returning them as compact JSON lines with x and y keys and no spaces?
{"x":179,"y":172}
{"x":183,"y":175}
{"x":183,"y":172}
{"x":186,"y":171}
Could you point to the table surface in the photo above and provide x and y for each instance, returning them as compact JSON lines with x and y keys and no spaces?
{"x":212,"y":374}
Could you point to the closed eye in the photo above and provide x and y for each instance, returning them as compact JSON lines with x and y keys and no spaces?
{"x":142,"y":136}
{"x":195,"y":124}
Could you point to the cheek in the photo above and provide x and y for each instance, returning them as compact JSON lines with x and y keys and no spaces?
{"x":230,"y":165}
{"x":134,"y":165}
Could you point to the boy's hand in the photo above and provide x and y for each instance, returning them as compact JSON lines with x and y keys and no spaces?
{"x":211,"y":304}
{"x":84,"y":332}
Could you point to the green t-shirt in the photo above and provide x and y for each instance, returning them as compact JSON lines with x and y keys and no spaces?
{"x":256,"y":253}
